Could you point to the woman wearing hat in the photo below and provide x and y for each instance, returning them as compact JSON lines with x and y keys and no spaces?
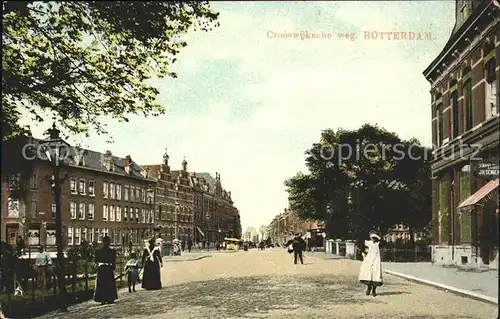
{"x":152,"y":262}
{"x":105,"y":259}
{"x":370,"y":273}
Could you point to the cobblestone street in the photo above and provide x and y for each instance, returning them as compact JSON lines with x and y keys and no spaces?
{"x":266,"y":284}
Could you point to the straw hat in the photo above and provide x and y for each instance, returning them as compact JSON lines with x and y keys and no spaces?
{"x":373,"y":235}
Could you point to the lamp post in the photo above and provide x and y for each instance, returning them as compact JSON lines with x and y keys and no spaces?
{"x":324,"y":240}
{"x":56,"y":153}
{"x":207,"y":216}
{"x":150,"y":193}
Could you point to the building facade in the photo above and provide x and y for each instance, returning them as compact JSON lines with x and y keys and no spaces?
{"x":286,"y":224}
{"x":174,"y":201}
{"x":401,"y":232}
{"x":215,"y":216}
{"x":465,"y":132}
{"x":102,"y":195}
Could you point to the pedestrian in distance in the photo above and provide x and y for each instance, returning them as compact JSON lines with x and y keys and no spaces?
{"x":132,"y":271}
{"x":298,"y":245}
{"x":370,"y":272}
{"x":105,"y":259}
{"x":152,"y":262}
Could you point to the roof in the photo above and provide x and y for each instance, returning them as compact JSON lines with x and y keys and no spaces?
{"x":95,"y":161}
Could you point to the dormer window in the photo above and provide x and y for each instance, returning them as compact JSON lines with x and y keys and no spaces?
{"x":111,"y":166}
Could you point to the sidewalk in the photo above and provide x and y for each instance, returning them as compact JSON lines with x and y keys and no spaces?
{"x":481,"y":285}
{"x":186,"y":256}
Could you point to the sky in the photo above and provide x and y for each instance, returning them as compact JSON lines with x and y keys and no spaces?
{"x":247,"y":105}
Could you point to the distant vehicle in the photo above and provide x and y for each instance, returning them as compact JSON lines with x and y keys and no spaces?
{"x":232,"y":243}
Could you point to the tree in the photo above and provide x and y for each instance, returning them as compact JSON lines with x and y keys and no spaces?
{"x":350,"y":184}
{"x":84,"y":59}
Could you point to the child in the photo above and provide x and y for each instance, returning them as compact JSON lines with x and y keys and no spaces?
{"x":132,"y":271}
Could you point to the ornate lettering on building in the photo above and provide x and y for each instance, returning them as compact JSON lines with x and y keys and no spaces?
{"x":487,"y":170}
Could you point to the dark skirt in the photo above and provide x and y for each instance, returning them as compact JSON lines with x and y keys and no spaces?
{"x":105,"y":289}
{"x":371,"y":283}
{"x":151,"y":277}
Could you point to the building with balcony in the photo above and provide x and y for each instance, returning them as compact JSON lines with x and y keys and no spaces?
{"x":102,"y":195}
{"x":465,"y":132}
{"x":215,"y":216}
{"x":174,"y":201}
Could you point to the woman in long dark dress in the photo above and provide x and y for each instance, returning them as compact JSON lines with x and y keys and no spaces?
{"x":105,"y":258}
{"x":152,"y":262}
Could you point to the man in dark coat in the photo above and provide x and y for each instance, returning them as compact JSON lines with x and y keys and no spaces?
{"x":105,"y":258}
{"x":298,"y":245}
{"x":190,"y":243}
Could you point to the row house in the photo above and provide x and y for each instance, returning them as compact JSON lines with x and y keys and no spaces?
{"x":101,"y":195}
{"x":288,"y":223}
{"x":215,"y":216}
{"x":465,"y":97}
{"x":173,"y":202}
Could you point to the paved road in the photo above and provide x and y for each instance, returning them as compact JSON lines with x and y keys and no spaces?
{"x":266,"y":284}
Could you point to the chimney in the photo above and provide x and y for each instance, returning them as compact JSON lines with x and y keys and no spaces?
{"x":128,"y":164}
{"x":229,"y":193}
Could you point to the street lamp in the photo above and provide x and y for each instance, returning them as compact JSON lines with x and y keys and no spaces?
{"x":150,"y":193}
{"x":220,"y":230}
{"x":207,"y":216}
{"x":56,"y":151}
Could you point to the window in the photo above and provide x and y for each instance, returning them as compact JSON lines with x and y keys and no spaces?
{"x":118,"y":214}
{"x":143,"y":214}
{"x":118,"y":191}
{"x":34,"y":208}
{"x":137,"y":215}
{"x":53,"y":209}
{"x":440,"y":117}
{"x":91,"y":188}
{"x":99,"y":234}
{"x":112,"y":191}
{"x":105,"y":232}
{"x":125,"y":213}
{"x":81,"y":187}
{"x":77,"y":235}
{"x":455,"y":110}
{"x":70,"y":235}
{"x":111,"y":213}
{"x":143,"y":195}
{"x":72,"y":210}
{"x":491,"y":89}
{"x":138,"y":194}
{"x":132,"y":194}
{"x":81,"y":211}
{"x":105,"y":213}
{"x":34,"y":180}
{"x":34,"y":237}
{"x":125,"y":192}
{"x":85,"y":234}
{"x":72,"y":185}
{"x":50,"y":237}
{"x":91,"y":211}
{"x":468,"y":104}
{"x":105,"y":190}
{"x":91,"y":235}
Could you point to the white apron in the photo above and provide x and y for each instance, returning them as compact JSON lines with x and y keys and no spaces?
{"x":371,"y":268}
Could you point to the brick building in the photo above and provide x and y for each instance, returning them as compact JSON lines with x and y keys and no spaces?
{"x":465,"y":132}
{"x":174,"y":205}
{"x":215,"y":216}
{"x":102,"y":195}
{"x":286,"y":224}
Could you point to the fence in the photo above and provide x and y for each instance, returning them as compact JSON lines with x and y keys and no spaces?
{"x":388,"y":253}
{"x":30,"y":292}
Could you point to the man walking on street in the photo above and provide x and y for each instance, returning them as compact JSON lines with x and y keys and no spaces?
{"x":298,"y":245}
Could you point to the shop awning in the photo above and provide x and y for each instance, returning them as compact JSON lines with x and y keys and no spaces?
{"x":480,"y":194}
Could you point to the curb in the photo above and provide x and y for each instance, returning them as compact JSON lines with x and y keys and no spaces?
{"x":181,"y":260}
{"x":458,"y":291}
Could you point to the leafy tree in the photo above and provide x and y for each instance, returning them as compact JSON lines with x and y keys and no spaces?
{"x":350,"y":184}
{"x":80,"y":60}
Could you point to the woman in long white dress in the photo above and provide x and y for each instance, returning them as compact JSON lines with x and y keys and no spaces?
{"x":370,"y":273}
